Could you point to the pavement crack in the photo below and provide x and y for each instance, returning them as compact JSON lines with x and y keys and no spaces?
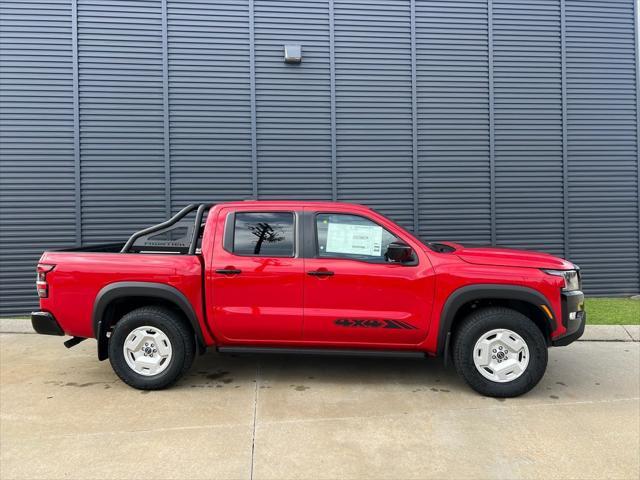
{"x":140,"y":431}
{"x":255,"y":413}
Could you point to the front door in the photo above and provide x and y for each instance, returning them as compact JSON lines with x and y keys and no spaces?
{"x":257,"y":276}
{"x":353,"y":294}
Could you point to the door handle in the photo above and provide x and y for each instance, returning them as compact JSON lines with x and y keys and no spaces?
{"x":228,"y":271}
{"x":320,"y":273}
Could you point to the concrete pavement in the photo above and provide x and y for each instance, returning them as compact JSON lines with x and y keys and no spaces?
{"x":611,"y":333}
{"x":63,"y":414}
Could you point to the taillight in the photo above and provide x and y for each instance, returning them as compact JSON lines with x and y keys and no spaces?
{"x":41,"y":279}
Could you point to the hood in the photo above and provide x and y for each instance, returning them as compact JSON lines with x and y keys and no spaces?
{"x":508,"y":257}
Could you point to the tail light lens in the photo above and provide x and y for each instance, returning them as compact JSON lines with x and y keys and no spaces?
{"x":41,"y":279}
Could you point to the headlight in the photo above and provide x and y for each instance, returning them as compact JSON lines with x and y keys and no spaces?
{"x":571,"y":278}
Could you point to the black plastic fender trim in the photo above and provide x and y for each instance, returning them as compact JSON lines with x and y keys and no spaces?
{"x":470,"y":293}
{"x":119,"y":290}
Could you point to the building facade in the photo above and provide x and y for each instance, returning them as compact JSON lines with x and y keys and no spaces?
{"x":511,"y":123}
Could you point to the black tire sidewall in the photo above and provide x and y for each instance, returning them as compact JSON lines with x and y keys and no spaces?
{"x":162,"y":320}
{"x":481,"y":322}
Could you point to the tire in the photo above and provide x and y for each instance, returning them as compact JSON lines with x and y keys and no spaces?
{"x":483,"y":330}
{"x":158,"y":366}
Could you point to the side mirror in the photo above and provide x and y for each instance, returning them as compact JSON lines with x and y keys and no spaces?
{"x":399,"y":252}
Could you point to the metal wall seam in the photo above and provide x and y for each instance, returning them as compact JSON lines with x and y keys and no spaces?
{"x":414,"y":121}
{"x":602,"y":96}
{"x":565,"y":158}
{"x":373,"y":106}
{"x":332,"y":74}
{"x":165,"y":104}
{"x":76,"y":122}
{"x":492,"y":141}
{"x":252,"y":87}
{"x":637,"y":55}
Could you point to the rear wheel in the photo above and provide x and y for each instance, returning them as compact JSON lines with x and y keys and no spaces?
{"x":151,"y":348}
{"x":500,"y":352}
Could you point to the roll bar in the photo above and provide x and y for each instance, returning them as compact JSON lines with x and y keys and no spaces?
{"x":200,"y":208}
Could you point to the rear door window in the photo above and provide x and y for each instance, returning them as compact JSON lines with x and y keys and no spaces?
{"x":265,"y":234}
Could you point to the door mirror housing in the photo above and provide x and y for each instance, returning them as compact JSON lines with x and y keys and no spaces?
{"x":399,"y":252}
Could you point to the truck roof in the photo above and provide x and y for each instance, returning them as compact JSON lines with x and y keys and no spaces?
{"x":291,"y":203}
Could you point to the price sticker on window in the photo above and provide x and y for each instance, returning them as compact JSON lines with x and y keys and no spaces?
{"x":354,"y":239}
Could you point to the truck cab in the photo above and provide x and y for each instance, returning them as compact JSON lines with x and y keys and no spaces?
{"x":309,"y":277}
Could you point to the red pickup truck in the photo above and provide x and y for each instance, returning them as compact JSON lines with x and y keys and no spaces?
{"x":309,"y":277}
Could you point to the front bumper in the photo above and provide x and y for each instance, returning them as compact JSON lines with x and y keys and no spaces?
{"x":46,"y":324}
{"x":574,"y":318}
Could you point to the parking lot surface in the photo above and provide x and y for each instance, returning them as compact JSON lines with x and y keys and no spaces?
{"x":63,"y":414}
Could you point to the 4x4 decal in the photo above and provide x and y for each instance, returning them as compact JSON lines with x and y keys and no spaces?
{"x":373,"y":323}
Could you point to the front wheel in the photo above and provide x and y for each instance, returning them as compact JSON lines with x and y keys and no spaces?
{"x":500,"y":352}
{"x":151,"y":348}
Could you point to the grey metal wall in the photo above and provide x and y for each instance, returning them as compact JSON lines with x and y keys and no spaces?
{"x":483,"y":121}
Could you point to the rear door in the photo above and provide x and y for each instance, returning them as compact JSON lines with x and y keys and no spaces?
{"x":257,"y":275}
{"x":352,"y":293}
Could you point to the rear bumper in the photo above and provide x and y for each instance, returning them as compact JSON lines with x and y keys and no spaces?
{"x":574,"y":318}
{"x":46,"y":324}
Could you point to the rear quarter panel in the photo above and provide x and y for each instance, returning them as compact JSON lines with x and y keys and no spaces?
{"x":77,"y":279}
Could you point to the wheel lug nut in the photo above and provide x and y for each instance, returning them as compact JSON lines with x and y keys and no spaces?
{"x":493,"y":356}
{"x":494,"y":350}
{"x":500,"y":348}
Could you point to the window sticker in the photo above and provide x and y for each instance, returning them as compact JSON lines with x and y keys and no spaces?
{"x":354,"y":239}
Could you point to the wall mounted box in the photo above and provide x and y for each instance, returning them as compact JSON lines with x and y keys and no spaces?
{"x":293,"y":53}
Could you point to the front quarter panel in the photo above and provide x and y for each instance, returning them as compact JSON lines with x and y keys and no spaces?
{"x":454,"y":274}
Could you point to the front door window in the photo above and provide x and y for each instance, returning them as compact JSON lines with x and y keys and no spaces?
{"x":351,"y":237}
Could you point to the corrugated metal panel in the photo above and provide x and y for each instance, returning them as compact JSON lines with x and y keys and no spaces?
{"x":453,"y":121}
{"x":374,"y":105}
{"x":37,"y":198}
{"x":168,"y":105}
{"x":528,"y":125}
{"x":602,"y":144}
{"x":121,"y":117}
{"x":292,"y":101}
{"x":209,"y":97}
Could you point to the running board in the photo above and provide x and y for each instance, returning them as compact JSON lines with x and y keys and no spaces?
{"x":323,"y":351}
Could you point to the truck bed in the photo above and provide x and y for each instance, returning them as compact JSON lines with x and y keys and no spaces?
{"x":80,"y":274}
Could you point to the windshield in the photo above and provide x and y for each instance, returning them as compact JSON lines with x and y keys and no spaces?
{"x":434,"y":246}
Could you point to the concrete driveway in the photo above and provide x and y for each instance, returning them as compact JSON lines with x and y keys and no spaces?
{"x":66,"y":415}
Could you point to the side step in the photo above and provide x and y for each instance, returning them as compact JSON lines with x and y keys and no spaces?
{"x":323,"y":352}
